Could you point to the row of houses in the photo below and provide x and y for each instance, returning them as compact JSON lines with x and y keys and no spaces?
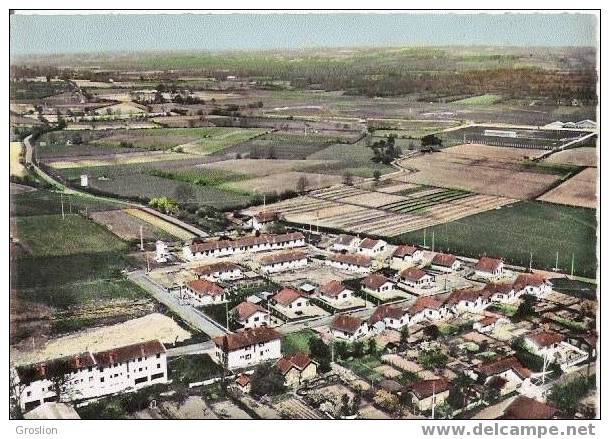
{"x":351,"y":244}
{"x":433,"y":308}
{"x":219,"y":248}
{"x":90,"y":375}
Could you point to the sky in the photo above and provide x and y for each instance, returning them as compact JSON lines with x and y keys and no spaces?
{"x":50,"y":34}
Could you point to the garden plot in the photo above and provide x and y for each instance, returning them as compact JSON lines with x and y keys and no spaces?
{"x":118,"y":159}
{"x":284,"y":182}
{"x":487,"y":176}
{"x":374,"y":199}
{"x":397,"y":187}
{"x":127,"y":227}
{"x":159,"y":223}
{"x":505,"y":153}
{"x":259,"y":167}
{"x":575,"y":156}
{"x":580,"y":190}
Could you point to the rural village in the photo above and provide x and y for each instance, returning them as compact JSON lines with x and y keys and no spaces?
{"x":228,"y":238}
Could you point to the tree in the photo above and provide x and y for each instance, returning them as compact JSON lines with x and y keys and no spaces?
{"x":458,"y":395}
{"x":404,"y":335}
{"x":526,"y":307}
{"x":341,"y":349}
{"x":164,"y":204}
{"x":432,"y":332}
{"x":302,"y":184}
{"x":358,"y":349}
{"x":320,"y":352}
{"x":266,"y":380}
{"x":431,"y":140}
{"x":372,"y":348}
{"x":376,"y":175}
{"x":348,"y":180}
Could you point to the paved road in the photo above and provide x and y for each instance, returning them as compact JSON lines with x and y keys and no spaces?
{"x":186,"y":312}
{"x":29,"y":152}
{"x":191,"y":349}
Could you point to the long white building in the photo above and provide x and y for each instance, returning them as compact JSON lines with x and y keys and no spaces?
{"x":248,"y":348}
{"x":90,"y":375}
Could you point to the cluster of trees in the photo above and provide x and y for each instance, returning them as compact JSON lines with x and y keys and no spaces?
{"x":357,"y":349}
{"x":567,"y":396}
{"x":386,"y":150}
{"x":165,"y":204}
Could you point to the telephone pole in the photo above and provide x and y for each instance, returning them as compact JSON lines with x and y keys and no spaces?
{"x":141,"y":239}
{"x":432,"y":239}
{"x":572,"y":267}
{"x":61,"y":197}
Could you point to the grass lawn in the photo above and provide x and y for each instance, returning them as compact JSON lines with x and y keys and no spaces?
{"x":193,"y":368}
{"x":514,"y":231}
{"x":50,"y":235}
{"x":297,"y":341}
{"x":364,"y":367}
{"x":505,"y":308}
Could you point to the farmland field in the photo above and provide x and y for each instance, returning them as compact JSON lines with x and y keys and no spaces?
{"x":127,"y":227}
{"x":42,"y":202}
{"x":575,"y":156}
{"x":514,"y":231}
{"x":579,"y":190}
{"x":355,"y":159}
{"x":481,"y":173}
{"x":285,"y":181}
{"x":479,"y":100}
{"x":71,"y":235}
{"x":157,"y":222}
{"x":117,"y":159}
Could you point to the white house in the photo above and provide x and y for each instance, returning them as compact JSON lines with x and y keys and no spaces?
{"x":428,"y":393}
{"x":203,"y":292}
{"x":262,"y":220}
{"x":250,"y":315}
{"x":90,"y":375}
{"x":297,"y":369}
{"x":335,"y":292}
{"x":407,"y":254}
{"x":467,"y":300}
{"x":502,"y":293}
{"x":161,"y":252}
{"x":219,"y":248}
{"x":544,"y":343}
{"x":489,"y":267}
{"x":415,"y":278}
{"x":489,"y":323}
{"x":350,"y":262}
{"x":224,"y":271}
{"x":387,"y":316}
{"x":506,"y":374}
{"x":348,"y":328}
{"x":284,"y":261}
{"x":445,"y":262}
{"x":533,"y":284}
{"x":248,"y":348}
{"x":427,"y":308}
{"x":377,"y":283}
{"x":290,"y":299}
{"x":371,"y":247}
{"x":345,"y":243}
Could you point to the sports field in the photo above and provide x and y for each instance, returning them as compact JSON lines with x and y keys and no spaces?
{"x":514,"y":231}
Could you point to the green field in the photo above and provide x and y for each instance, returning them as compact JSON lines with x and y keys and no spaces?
{"x":193,"y":369}
{"x":217,"y":139}
{"x":52,"y":235}
{"x":297,"y":341}
{"x":43,"y":202}
{"x":355,"y":159}
{"x":514,"y":231}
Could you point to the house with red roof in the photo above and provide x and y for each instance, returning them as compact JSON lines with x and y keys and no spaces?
{"x":427,"y":308}
{"x":506,"y":374}
{"x":544,"y":343}
{"x":262,"y":220}
{"x":467,"y":300}
{"x":428,"y":393}
{"x":445,"y":262}
{"x":371,"y":247}
{"x":297,"y":369}
{"x":489,"y":323}
{"x":534,"y":284}
{"x":407,"y":254}
{"x":283,"y":261}
{"x":248,"y":348}
{"x":489,"y":268}
{"x":389,"y":316}
{"x":243,"y":382}
{"x":416,"y":279}
{"x":377,"y":284}
{"x":350,"y":262}
{"x":350,"y":328}
{"x":335,"y":292}
{"x":501,"y":292}
{"x":203,"y":292}
{"x":345,"y":243}
{"x":289,"y":299}
{"x":528,"y":408}
{"x":224,"y":271}
{"x":250,"y":315}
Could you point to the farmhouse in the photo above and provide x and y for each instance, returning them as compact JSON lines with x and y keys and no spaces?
{"x":445,"y":262}
{"x":277,"y":262}
{"x":502,"y":293}
{"x":289,"y":298}
{"x":489,"y":267}
{"x":533,"y":284}
{"x":248,"y":348}
{"x":528,"y":408}
{"x":407,"y":254}
{"x":91,"y":375}
{"x":358,"y":263}
{"x":387,"y":316}
{"x":345,"y":243}
{"x":262,"y":220}
{"x":297,"y":369}
{"x":334,"y":291}
{"x":260,"y":243}
{"x":467,"y":300}
{"x":377,"y":283}
{"x":371,"y":247}
{"x":416,"y":278}
{"x":427,"y":308}
{"x":489,"y":323}
{"x":250,"y":315}
{"x":219,"y":271}
{"x":505,"y":374}
{"x":428,"y":393}
{"x":204,"y":292}
{"x":348,"y":328}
